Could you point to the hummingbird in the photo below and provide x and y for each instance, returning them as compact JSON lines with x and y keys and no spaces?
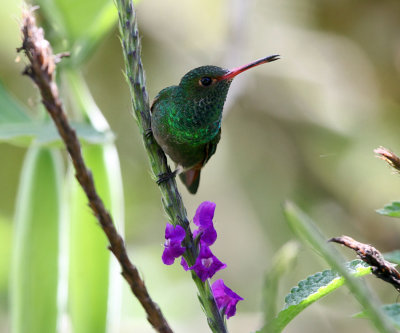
{"x":186,"y":119}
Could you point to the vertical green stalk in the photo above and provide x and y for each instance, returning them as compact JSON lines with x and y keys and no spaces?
{"x":171,"y":197}
{"x":94,"y":289}
{"x":89,"y":260}
{"x":34,"y":279}
{"x":281,"y":262}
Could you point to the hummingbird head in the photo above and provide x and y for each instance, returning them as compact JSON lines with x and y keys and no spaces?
{"x":205,"y":81}
{"x":207,"y":86}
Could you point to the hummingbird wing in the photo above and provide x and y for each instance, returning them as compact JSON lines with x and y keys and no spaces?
{"x":152,"y":106}
{"x":211,"y":147}
{"x":163,"y":94}
{"x":191,"y":177}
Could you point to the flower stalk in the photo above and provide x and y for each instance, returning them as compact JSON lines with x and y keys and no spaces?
{"x":171,"y":198}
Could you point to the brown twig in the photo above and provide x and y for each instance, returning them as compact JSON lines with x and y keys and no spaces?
{"x":391,"y":158}
{"x":381,"y":268}
{"x":42,"y":70}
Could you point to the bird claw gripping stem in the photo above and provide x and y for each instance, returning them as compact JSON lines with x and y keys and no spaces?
{"x":166,"y":176}
{"x":148,"y":133}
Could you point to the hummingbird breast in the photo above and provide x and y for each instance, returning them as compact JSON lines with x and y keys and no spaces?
{"x":183,"y":128}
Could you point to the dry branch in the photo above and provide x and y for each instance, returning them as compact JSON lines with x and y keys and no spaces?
{"x":42,"y":71}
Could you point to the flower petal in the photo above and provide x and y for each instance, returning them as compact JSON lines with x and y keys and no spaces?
{"x":204,"y":214}
{"x":207,"y":264}
{"x":226,"y":298}
{"x":172,"y":246}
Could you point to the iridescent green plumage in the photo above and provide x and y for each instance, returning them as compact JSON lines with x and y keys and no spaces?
{"x":186,"y":119}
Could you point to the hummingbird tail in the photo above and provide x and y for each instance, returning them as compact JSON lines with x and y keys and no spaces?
{"x":191,"y":179}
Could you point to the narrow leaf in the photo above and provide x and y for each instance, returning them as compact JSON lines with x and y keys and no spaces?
{"x":11,"y":111}
{"x":5,"y":258}
{"x":78,"y":16}
{"x":36,"y":244}
{"x":282,"y":262}
{"x":391,"y":310}
{"x":89,"y":257}
{"x":392,"y":209}
{"x":45,"y":134}
{"x":92,"y":35}
{"x":104,"y":164}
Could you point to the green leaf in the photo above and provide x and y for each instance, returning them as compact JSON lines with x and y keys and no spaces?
{"x":312,"y":289}
{"x":5,"y":258}
{"x":393,"y":257}
{"x":392,"y":209}
{"x":92,"y":289}
{"x":391,"y":310}
{"x":80,"y":16}
{"x":94,"y":293}
{"x":11,"y":111}
{"x":82,"y":24}
{"x":89,"y":38}
{"x":45,"y":134}
{"x":34,"y":281}
{"x":308,"y":232}
{"x":17,"y":127}
{"x":282,"y":262}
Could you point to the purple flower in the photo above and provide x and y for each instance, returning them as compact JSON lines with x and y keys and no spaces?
{"x":184,"y":264}
{"x":173,"y":239}
{"x":226,"y":299}
{"x":206,"y":264}
{"x":204,"y":220}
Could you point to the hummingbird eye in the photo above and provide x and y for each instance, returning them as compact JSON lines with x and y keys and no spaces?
{"x":206,"y":81}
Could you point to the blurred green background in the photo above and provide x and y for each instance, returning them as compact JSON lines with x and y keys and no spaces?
{"x":302,"y":128}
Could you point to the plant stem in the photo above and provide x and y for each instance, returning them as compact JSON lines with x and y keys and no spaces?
{"x":171,"y":198}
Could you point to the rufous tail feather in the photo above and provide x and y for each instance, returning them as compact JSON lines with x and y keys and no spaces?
{"x":191,"y":179}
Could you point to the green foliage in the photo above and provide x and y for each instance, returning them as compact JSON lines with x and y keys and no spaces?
{"x":82,"y":24}
{"x":89,"y":259}
{"x":11,"y":111}
{"x":307,"y":231}
{"x":393,"y":256}
{"x":76,"y":26}
{"x":81,"y":16}
{"x":17,"y":127}
{"x":45,"y":134}
{"x":5,"y":258}
{"x":36,"y":243}
{"x":391,"y":310}
{"x":282,"y":262}
{"x":392,"y":209}
{"x":310,"y":290}
{"x":323,"y":282}
{"x":89,"y":36}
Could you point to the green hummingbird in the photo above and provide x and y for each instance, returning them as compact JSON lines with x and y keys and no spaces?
{"x":186,"y":119}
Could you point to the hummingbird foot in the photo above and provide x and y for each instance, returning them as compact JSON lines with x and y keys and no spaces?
{"x":148,"y":133}
{"x":164,"y":177}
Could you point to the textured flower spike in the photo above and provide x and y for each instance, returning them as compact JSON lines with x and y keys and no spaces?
{"x":207,"y":264}
{"x":226,"y":299}
{"x":204,"y":220}
{"x":173,"y":239}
